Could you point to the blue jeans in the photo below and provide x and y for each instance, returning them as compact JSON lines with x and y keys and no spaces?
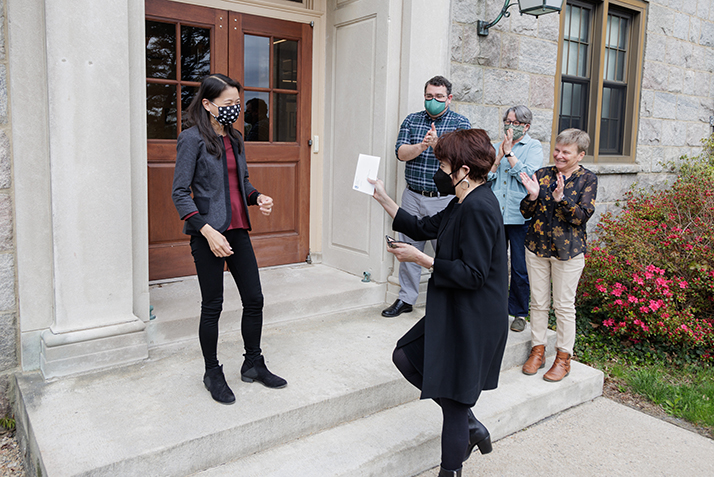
{"x":519,"y":291}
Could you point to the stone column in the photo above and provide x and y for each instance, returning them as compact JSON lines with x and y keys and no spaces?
{"x":90,"y":61}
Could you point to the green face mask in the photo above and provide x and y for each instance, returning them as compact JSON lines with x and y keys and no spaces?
{"x":434,"y":106}
{"x":518,"y":131}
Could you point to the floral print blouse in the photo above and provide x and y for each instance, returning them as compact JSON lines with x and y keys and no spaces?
{"x":558,"y":229}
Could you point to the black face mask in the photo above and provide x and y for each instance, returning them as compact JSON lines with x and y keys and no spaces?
{"x":444,"y":184}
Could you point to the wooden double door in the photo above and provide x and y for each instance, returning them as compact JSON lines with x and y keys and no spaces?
{"x":272,"y":59}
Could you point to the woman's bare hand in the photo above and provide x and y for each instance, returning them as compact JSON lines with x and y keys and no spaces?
{"x":265,"y":203}
{"x":218,"y":243}
{"x":531,"y":184}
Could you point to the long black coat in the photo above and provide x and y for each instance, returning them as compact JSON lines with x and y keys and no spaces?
{"x":466,"y":323}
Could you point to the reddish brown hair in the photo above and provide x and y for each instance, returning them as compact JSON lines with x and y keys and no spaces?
{"x":467,"y":147}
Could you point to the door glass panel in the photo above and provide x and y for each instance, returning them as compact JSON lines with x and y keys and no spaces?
{"x":187,"y":95}
{"x":285,"y":124}
{"x":195,"y":53}
{"x":160,"y":50}
{"x":161,"y":111}
{"x":285,"y":57}
{"x":257,"y":61}
{"x":256,"y":112}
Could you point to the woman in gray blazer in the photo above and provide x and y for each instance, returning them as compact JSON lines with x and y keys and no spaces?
{"x":211,"y":192}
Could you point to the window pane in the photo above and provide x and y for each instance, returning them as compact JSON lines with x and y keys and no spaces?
{"x":577,"y":99}
{"x":160,"y":50}
{"x":575,"y":23}
{"x":256,"y":112}
{"x":583,"y":61}
{"x":606,"y":102}
{"x":257,"y":61}
{"x":566,"y":107}
{"x":612,"y":121}
{"x":623,"y":34}
{"x":187,"y":95}
{"x":585,"y":26}
{"x":285,"y":57}
{"x":195,"y":53}
{"x":285,"y":125}
{"x":572,"y":59}
{"x":611,"y":64}
{"x":161,"y":111}
{"x":568,"y":15}
{"x":620,"y":66}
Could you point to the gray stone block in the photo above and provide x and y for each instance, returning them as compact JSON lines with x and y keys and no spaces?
{"x":687,"y":107}
{"x":674,"y":133}
{"x":698,"y":59}
{"x":3,"y":94}
{"x":655,"y":47}
{"x":665,"y":106}
{"x":703,"y":8}
{"x":677,"y":76}
{"x":480,"y":50}
{"x":649,"y":157}
{"x":466,"y":11}
{"x":538,"y":56}
{"x":524,"y":24}
{"x":646,"y":103}
{"x":483,"y":117}
{"x":709,"y":62}
{"x":696,"y":132}
{"x":467,"y":83}
{"x":2,"y":33}
{"x":8,"y":343}
{"x":655,"y":76}
{"x":681,"y":26}
{"x":542,"y":125}
{"x":6,"y":225}
{"x":5,"y":170}
{"x":678,"y":52}
{"x":456,"y":42}
{"x":505,"y":88}
{"x":650,"y":132}
{"x":695,"y":26}
{"x":510,"y":48}
{"x":542,"y":94}
{"x":661,"y":20}
{"x":706,"y":37}
{"x":7,"y":282}
{"x":549,"y":27}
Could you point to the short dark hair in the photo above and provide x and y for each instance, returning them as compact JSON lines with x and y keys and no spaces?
{"x":439,"y":81}
{"x":467,"y":147}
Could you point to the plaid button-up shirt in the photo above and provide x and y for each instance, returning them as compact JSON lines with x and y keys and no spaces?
{"x":420,"y":170}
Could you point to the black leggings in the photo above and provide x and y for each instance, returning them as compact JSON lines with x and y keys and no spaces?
{"x":455,"y":428}
{"x":244,"y":268}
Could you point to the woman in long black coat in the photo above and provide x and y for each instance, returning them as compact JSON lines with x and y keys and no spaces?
{"x":455,"y":351}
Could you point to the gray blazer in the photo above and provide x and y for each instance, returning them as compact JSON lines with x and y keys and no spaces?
{"x":201,"y":183}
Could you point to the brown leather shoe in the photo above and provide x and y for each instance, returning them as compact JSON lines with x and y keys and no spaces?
{"x":535,"y":361}
{"x":560,"y":368}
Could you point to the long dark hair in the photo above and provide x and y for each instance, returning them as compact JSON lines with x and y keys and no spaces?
{"x":196,"y":115}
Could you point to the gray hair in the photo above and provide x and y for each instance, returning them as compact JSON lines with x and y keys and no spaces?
{"x":523,"y":114}
{"x":574,"y":136}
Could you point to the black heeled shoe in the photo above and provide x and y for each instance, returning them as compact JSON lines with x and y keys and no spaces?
{"x":215,"y":382}
{"x":449,"y":473}
{"x":257,"y":371}
{"x":478,"y":436}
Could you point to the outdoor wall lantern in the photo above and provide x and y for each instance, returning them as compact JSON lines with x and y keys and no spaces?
{"x":531,"y":7}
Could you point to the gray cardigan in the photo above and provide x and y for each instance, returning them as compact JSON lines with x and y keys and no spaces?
{"x":206,"y":177}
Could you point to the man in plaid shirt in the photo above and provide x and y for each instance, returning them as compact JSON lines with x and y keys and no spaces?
{"x":417,"y":137}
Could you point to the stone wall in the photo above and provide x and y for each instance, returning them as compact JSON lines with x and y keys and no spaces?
{"x":8,"y":301}
{"x":516,"y":64}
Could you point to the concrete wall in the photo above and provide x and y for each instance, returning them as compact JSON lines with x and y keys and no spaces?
{"x":516,"y":64}
{"x":8,"y":300}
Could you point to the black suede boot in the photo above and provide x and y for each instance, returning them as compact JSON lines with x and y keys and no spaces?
{"x":256,"y":371}
{"x":449,"y":473}
{"x":478,"y":436}
{"x":215,"y":382}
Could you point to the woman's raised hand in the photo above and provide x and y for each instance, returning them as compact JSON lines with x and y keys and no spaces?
{"x":380,"y":195}
{"x":531,"y":184}
{"x":218,"y":243}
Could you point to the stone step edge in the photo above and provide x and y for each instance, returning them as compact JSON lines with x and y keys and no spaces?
{"x":405,"y":440}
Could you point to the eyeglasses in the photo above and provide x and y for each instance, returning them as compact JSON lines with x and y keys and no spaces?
{"x":438,"y":97}
{"x":513,"y":123}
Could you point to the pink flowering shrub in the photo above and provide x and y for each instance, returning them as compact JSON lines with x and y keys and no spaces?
{"x":649,"y":277}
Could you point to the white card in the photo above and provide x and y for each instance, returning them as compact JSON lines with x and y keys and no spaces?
{"x":367,"y":166}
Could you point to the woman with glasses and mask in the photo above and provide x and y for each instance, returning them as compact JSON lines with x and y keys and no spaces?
{"x":455,"y":351}
{"x":518,"y":152}
{"x":211,"y":192}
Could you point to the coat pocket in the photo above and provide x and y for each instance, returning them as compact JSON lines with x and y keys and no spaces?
{"x":203,"y":205}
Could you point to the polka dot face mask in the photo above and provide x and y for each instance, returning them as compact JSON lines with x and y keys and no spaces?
{"x":227,"y":115}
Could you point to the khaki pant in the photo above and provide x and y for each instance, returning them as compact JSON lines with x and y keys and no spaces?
{"x":564,"y":276}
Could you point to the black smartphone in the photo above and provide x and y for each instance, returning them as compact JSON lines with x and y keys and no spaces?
{"x":391,"y":242}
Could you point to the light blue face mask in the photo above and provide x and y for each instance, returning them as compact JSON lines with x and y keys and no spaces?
{"x":434,"y":107}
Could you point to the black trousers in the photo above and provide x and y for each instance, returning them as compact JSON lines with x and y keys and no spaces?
{"x":244,"y":268}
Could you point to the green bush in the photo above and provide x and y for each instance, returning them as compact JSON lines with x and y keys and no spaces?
{"x":649,"y":278}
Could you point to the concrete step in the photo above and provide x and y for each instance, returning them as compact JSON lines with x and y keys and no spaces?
{"x":291,"y":292}
{"x":405,"y":440}
{"x":156,"y":418}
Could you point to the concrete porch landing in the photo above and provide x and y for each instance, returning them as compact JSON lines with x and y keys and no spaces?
{"x":346,"y":409}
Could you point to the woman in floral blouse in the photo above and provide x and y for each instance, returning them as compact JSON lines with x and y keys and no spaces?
{"x":560,"y":200}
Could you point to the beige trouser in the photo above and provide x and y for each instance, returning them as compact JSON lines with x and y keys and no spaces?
{"x":565,"y":276}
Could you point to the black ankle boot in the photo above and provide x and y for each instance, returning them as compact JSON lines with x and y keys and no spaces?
{"x":256,"y":371}
{"x":449,"y":473}
{"x":215,"y":382}
{"x":478,"y":436}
